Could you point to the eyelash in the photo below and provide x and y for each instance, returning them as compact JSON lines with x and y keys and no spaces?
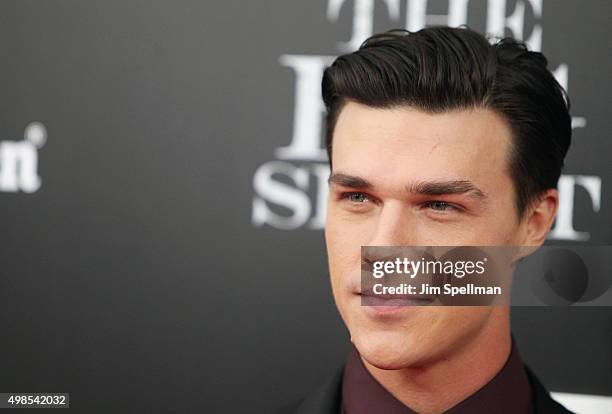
{"x":346,"y":196}
{"x":447,"y":206}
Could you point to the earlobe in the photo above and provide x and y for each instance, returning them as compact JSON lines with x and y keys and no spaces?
{"x":541,"y":216}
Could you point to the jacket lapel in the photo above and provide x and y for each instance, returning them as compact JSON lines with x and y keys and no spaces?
{"x":542,"y":401}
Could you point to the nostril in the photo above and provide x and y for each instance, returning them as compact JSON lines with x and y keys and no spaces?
{"x":366,"y":264}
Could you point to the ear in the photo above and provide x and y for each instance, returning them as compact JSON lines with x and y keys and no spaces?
{"x":539,"y":218}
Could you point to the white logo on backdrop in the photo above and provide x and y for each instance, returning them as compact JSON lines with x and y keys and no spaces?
{"x":303,"y":161}
{"x":19,"y":160}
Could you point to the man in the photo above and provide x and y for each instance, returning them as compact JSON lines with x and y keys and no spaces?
{"x":437,"y":138}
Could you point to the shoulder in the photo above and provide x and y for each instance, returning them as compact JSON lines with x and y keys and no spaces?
{"x":543,"y":402}
{"x":325,"y":399}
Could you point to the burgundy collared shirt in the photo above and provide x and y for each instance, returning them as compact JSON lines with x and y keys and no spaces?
{"x":509,"y":392}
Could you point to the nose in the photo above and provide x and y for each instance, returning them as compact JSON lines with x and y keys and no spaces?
{"x":395,"y":226}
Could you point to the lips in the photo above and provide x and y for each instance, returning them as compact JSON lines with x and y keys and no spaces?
{"x":369,"y":298}
{"x":369,"y":291}
{"x":380,"y":300}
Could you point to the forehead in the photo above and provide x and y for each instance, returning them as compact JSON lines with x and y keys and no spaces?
{"x":404,"y":142}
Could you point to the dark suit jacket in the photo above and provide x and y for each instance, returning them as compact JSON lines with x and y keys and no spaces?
{"x":327,"y":398}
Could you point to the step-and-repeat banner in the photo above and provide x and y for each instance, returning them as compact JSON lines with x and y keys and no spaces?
{"x":163,"y":184}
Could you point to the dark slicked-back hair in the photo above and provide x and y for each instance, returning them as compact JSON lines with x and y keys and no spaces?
{"x":440,"y":69}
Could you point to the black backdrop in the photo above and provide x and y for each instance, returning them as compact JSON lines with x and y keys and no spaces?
{"x":151,"y":270}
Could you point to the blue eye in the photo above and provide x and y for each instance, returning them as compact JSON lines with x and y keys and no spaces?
{"x":440,"y":206}
{"x":355,"y":197}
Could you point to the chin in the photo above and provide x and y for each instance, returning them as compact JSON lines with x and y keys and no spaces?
{"x":388,"y":350}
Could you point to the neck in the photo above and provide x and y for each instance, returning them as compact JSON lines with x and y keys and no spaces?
{"x":441,"y":384}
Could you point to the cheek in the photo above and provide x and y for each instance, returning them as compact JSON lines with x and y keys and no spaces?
{"x":350,"y":228}
{"x":442,"y":327}
{"x":502,"y":229}
{"x":430,"y":233}
{"x":342,"y":234}
{"x":341,"y":249}
{"x":343,"y":242}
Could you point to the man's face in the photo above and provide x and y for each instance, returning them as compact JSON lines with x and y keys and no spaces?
{"x":402,"y":177}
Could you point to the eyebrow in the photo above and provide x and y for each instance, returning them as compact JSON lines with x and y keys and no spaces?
{"x":446,"y":187}
{"x":435,"y":188}
{"x":350,"y":181}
